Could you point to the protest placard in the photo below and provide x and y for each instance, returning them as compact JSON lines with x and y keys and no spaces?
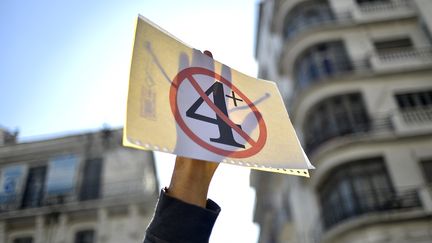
{"x":184,"y":102}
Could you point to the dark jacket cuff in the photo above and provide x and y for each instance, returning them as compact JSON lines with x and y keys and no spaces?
{"x":178,"y":221}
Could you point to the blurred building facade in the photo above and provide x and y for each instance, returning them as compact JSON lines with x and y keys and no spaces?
{"x":356,"y":76}
{"x":84,"y":188}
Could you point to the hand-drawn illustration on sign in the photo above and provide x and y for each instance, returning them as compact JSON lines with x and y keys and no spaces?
{"x":184,"y":102}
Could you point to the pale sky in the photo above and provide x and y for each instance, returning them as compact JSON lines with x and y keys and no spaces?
{"x":64,"y":67}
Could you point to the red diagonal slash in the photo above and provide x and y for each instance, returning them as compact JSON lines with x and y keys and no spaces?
{"x":188,"y":74}
{"x":219,"y":112}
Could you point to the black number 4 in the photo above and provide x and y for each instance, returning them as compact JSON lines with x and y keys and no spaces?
{"x":225,"y":131}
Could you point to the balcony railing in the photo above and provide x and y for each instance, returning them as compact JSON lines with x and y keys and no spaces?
{"x":406,"y":54}
{"x":326,"y":70}
{"x":417,"y":116}
{"x":299,"y":24}
{"x":302,"y":21}
{"x":385,"y":5}
{"x":376,"y":124}
{"x":120,"y":190}
{"x":370,"y":202}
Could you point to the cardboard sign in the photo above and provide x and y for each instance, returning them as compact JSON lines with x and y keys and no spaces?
{"x":183,"y":102}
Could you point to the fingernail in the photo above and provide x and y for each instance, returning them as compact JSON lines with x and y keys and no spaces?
{"x":208,"y":53}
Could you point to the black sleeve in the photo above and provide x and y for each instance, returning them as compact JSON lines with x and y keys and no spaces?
{"x":177,"y":221}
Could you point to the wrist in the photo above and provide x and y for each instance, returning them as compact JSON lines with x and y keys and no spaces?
{"x":191,"y":180}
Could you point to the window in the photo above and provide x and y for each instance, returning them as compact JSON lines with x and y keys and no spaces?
{"x":305,"y":16}
{"x":85,"y":236}
{"x":90,"y":187}
{"x":12,"y":181}
{"x":35,"y":187}
{"x":355,"y":188}
{"x":408,"y":101}
{"x":321,"y":61}
{"x":335,"y":116}
{"x":61,"y":175}
{"x":427,"y":170}
{"x":23,"y":240}
{"x":391,"y":45}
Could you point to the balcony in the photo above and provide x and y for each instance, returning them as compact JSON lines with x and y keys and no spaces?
{"x":115,"y":193}
{"x":307,"y":16}
{"x":413,"y":121}
{"x":384,"y":10}
{"x":371,"y":202}
{"x":314,"y":67}
{"x":326,"y":70}
{"x":344,"y":125}
{"x":362,"y":189}
{"x":417,"y":116}
{"x":408,"y":122}
{"x":385,"y":5}
{"x":402,"y":59}
{"x":310,"y":18}
{"x":325,"y":61}
{"x":410,"y":54}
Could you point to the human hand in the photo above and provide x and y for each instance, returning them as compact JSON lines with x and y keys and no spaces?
{"x":191,"y":178}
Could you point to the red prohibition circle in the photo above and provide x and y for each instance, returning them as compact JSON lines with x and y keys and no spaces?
{"x":188,"y":73}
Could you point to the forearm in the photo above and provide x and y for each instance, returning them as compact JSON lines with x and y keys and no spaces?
{"x":191,"y":180}
{"x":183,"y":213}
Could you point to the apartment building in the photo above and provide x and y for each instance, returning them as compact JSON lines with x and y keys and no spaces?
{"x":83,"y":188}
{"x":356,"y":76}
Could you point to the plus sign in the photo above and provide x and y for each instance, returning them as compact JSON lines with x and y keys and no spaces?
{"x":234,"y":98}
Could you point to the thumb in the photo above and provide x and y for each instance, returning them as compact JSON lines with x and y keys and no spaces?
{"x":208,"y":53}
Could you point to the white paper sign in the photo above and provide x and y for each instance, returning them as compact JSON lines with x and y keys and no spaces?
{"x":181,"y":101}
